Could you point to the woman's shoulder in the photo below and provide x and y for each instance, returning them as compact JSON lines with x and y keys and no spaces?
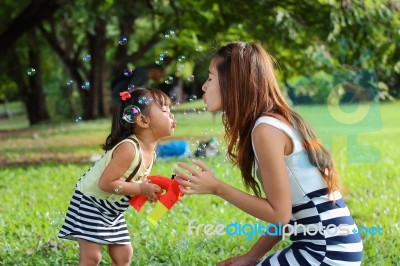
{"x":274,"y":120}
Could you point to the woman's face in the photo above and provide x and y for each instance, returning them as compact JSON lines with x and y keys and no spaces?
{"x":212,"y":92}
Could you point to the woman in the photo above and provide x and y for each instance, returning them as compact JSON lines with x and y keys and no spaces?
{"x":295,"y":172}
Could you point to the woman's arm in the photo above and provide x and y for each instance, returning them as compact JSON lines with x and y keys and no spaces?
{"x":270,"y":145}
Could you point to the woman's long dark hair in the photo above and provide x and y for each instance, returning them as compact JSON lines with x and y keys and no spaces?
{"x":249,"y":89}
{"x":141,"y":98}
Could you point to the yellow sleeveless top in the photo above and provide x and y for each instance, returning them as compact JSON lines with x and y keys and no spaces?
{"x":88,"y":183}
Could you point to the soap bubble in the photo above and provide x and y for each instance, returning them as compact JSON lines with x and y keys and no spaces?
{"x":181,"y":58}
{"x":169,"y":80}
{"x":169,"y":34}
{"x":85,"y":85}
{"x":128,"y":72}
{"x":131,"y":87}
{"x":31,"y":71}
{"x":87,"y":58}
{"x":190,"y":78}
{"x":123,"y":41}
{"x":192,"y":98}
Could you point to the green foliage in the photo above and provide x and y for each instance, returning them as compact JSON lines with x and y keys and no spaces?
{"x":34,"y":198}
{"x":338,"y":35}
{"x":8,"y":89}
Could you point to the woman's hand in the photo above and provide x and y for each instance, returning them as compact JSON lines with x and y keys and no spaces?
{"x":200,"y":181}
{"x":244,"y":260}
{"x":149,"y":190}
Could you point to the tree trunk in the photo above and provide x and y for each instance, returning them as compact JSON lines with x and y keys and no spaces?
{"x":94,"y":98}
{"x":29,"y":18}
{"x":30,"y":87}
{"x":35,"y":103}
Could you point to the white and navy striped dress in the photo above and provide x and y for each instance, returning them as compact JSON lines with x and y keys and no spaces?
{"x":100,"y":219}
{"x":96,"y":220}
{"x":312,"y":206}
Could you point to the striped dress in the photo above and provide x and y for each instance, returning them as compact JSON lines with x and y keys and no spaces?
{"x":95,"y":215}
{"x":324,"y":233}
{"x":96,"y":220}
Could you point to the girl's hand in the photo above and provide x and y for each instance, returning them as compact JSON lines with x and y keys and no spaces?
{"x":244,"y":260}
{"x":197,"y":181}
{"x":149,"y":190}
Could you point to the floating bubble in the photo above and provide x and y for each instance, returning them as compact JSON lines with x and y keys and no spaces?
{"x":78,"y":119}
{"x":190,"y":78}
{"x":169,"y":80}
{"x":180,"y":67}
{"x":159,"y":61}
{"x":131,"y":87}
{"x":85,"y":85}
{"x":169,"y":34}
{"x":123,"y":41}
{"x":192,"y":98}
{"x":70,"y":83}
{"x":199,"y":48}
{"x":56,"y":219}
{"x":87,"y":58}
{"x":164,"y":54}
{"x":31,"y":71}
{"x":128,"y":72}
{"x":181,"y":58}
{"x":173,"y":96}
{"x":130,"y":113}
{"x":182,"y":246}
{"x":145,"y":100}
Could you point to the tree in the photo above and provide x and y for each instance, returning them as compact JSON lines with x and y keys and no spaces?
{"x":302,"y":43}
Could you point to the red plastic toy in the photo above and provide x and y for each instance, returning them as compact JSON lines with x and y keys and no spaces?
{"x":167,"y":199}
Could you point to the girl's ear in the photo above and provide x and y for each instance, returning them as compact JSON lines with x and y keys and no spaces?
{"x":142,"y":121}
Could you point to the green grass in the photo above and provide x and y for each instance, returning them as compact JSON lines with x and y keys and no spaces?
{"x":34,"y":198}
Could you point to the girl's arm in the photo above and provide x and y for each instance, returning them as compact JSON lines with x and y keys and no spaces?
{"x":270,"y":146}
{"x":253,"y":256}
{"x":121,"y":160}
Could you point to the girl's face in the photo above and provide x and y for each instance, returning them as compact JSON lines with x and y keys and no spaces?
{"x":212,"y":92}
{"x":162,"y":121}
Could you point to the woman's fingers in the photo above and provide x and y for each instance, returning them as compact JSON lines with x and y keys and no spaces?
{"x":186,"y":190}
{"x":183,"y":180}
{"x":184,"y":176}
{"x":203,"y":166}
{"x":188,"y":168}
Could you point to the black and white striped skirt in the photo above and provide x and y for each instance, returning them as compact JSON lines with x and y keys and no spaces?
{"x":96,"y":220}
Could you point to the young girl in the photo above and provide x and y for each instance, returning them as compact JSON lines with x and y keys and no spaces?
{"x":95,"y":215}
{"x":295,"y":172}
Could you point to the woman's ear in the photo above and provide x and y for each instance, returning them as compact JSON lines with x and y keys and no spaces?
{"x":142,"y":121}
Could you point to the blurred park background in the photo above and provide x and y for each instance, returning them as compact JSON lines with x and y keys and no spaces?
{"x":338,"y":63}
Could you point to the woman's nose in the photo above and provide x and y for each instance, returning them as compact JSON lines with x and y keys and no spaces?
{"x":203,"y":88}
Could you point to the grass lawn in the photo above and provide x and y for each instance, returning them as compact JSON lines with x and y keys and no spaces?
{"x":40,"y":166}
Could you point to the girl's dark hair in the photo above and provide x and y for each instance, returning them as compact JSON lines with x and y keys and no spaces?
{"x":249,"y":89}
{"x":140,"y":97}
